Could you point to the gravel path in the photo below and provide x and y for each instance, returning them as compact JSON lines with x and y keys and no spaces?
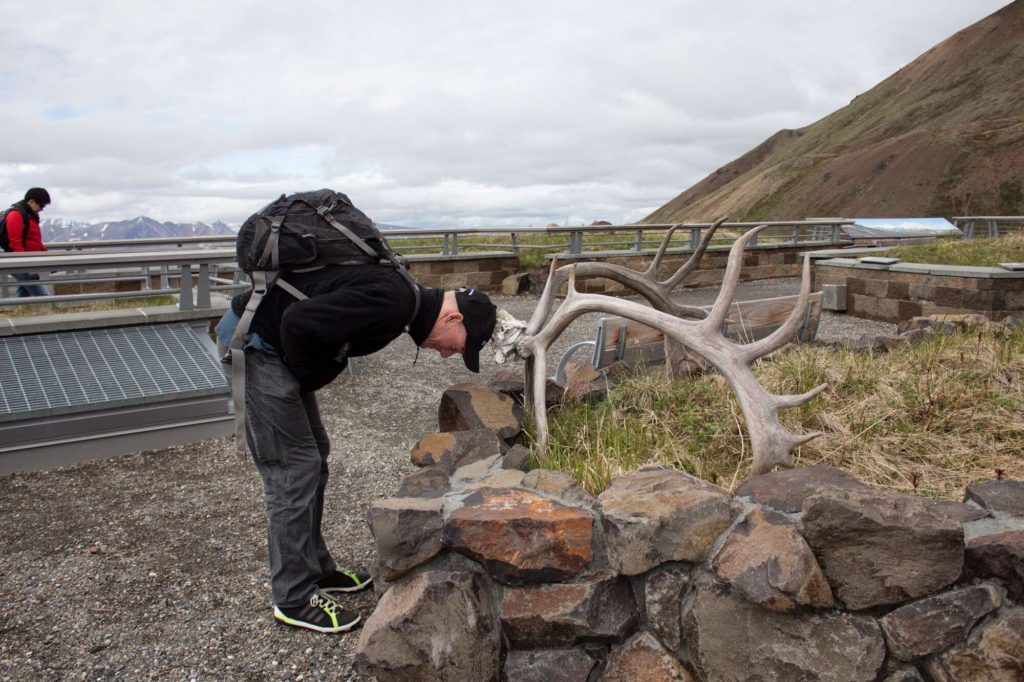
{"x":153,"y":565}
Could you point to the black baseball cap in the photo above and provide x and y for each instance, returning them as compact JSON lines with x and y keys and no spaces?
{"x":478,"y":316}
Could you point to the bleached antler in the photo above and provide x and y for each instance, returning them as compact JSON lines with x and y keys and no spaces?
{"x":770,"y":441}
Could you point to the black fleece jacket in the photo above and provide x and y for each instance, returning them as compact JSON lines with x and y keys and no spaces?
{"x":365,"y":306}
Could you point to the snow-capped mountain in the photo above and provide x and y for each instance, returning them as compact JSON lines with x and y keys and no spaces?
{"x":137,"y":228}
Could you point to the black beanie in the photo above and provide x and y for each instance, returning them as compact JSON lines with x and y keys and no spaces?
{"x":39,"y":195}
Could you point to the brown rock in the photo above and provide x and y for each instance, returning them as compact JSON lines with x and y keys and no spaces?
{"x":520,"y":536}
{"x":1003,"y":496}
{"x":729,"y":639}
{"x":466,"y":407}
{"x":556,"y":665}
{"x":994,"y":652}
{"x":661,"y":597}
{"x":1000,"y":556}
{"x":786,"y":490}
{"x":880,"y":548}
{"x":643,"y":658}
{"x":903,"y":673}
{"x":458,"y":637}
{"x":768,"y":562}
{"x":407,"y":532}
{"x":453,"y":449}
{"x":654,"y":516}
{"x":426,"y":482}
{"x":599,"y":609}
{"x":516,"y":284}
{"x":931,"y":624}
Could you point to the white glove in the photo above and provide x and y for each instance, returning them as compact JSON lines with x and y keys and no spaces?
{"x":507,"y":332}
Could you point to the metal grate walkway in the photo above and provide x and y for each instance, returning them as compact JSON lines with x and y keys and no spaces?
{"x":75,"y":371}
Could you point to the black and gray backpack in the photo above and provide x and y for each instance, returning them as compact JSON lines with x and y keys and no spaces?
{"x":299,"y":233}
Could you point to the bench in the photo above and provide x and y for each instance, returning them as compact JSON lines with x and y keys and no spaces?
{"x":618,"y":339}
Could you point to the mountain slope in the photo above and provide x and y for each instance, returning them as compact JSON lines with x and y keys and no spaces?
{"x":942,"y":136}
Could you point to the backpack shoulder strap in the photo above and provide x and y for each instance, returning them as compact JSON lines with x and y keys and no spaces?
{"x":325,"y":213}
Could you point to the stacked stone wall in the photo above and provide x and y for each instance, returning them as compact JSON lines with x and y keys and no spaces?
{"x":490,"y":572}
{"x":900,"y":292}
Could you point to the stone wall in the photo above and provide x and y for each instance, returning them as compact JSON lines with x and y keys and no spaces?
{"x":899,"y":292}
{"x":491,"y":572}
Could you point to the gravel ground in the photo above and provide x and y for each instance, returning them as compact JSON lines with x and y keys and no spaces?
{"x":153,"y":565}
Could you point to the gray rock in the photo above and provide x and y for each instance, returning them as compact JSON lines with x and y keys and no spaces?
{"x":643,"y":658}
{"x":554,"y":665}
{"x":929,"y":625}
{"x":517,"y":457}
{"x":767,"y":561}
{"x":994,"y":652}
{"x":880,"y":548}
{"x":462,"y":642}
{"x":453,"y":449}
{"x":599,"y":609}
{"x":957,"y":511}
{"x":469,"y":474}
{"x":661,"y":599}
{"x":1000,"y":556}
{"x":431,"y":481}
{"x":560,"y":485}
{"x":729,"y":638}
{"x":407,"y":531}
{"x":654,"y":516}
{"x":513,"y":384}
{"x":786,"y":490}
{"x":1004,"y":496}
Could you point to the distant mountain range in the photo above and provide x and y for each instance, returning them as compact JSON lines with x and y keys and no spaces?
{"x":136,"y":228}
{"x":943,"y":136}
{"x":61,"y":230}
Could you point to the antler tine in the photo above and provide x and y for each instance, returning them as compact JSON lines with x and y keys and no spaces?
{"x":783,"y":402}
{"x":547,"y":299}
{"x":730,"y":280}
{"x":653,"y":268}
{"x":785,"y":333}
{"x":539,"y":397}
{"x":691,"y":263}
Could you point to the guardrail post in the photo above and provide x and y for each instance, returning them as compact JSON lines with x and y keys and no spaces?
{"x":836,"y":231}
{"x":185,"y":288}
{"x":455,"y":244}
{"x":796,"y":233}
{"x":575,"y":242}
{"x":444,"y":247}
{"x":694,"y":238}
{"x":203,"y":293}
{"x":515,"y":244}
{"x":639,"y":246}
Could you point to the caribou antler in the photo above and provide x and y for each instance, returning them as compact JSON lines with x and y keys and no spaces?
{"x":770,"y":441}
{"x":658,"y":293}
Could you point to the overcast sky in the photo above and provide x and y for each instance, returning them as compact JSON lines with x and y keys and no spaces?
{"x":424,"y":113}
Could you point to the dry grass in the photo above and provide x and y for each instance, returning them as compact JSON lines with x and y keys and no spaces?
{"x":956,"y":251}
{"x":85,"y":306}
{"x":928,"y":418}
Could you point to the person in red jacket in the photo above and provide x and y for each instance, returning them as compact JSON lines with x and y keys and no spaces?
{"x":27,"y":237}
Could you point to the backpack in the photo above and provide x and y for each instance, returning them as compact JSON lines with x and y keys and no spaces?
{"x":301,"y":232}
{"x":5,"y":242}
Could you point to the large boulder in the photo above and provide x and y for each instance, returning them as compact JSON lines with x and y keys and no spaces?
{"x":407,"y":531}
{"x":426,"y":482}
{"x":729,"y":638}
{"x":998,"y":555}
{"x":1002,"y":496}
{"x":643,"y":658}
{"x":785,"y":490}
{"x":549,"y":665}
{"x":452,"y":449}
{"x":437,"y":625}
{"x":660,"y":594}
{"x":466,"y":407}
{"x":598,"y":609}
{"x":929,"y":625}
{"x":767,"y":560}
{"x":518,"y":535}
{"x":994,"y":652}
{"x":879,"y":548}
{"x":654,"y":516}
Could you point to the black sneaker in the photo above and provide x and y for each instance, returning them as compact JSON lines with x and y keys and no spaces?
{"x":322,"y":613}
{"x":344,"y":581}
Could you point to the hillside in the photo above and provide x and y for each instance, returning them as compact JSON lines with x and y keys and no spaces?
{"x":943,"y":136}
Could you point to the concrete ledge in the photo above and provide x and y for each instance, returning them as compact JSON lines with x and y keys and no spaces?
{"x":46,"y":324}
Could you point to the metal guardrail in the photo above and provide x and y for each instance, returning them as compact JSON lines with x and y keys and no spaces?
{"x":969,"y":224}
{"x":208,"y":266}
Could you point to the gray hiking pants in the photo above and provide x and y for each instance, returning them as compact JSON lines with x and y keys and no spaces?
{"x":289,"y":444}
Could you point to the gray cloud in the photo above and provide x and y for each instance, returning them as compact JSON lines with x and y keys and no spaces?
{"x":425,"y":113}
